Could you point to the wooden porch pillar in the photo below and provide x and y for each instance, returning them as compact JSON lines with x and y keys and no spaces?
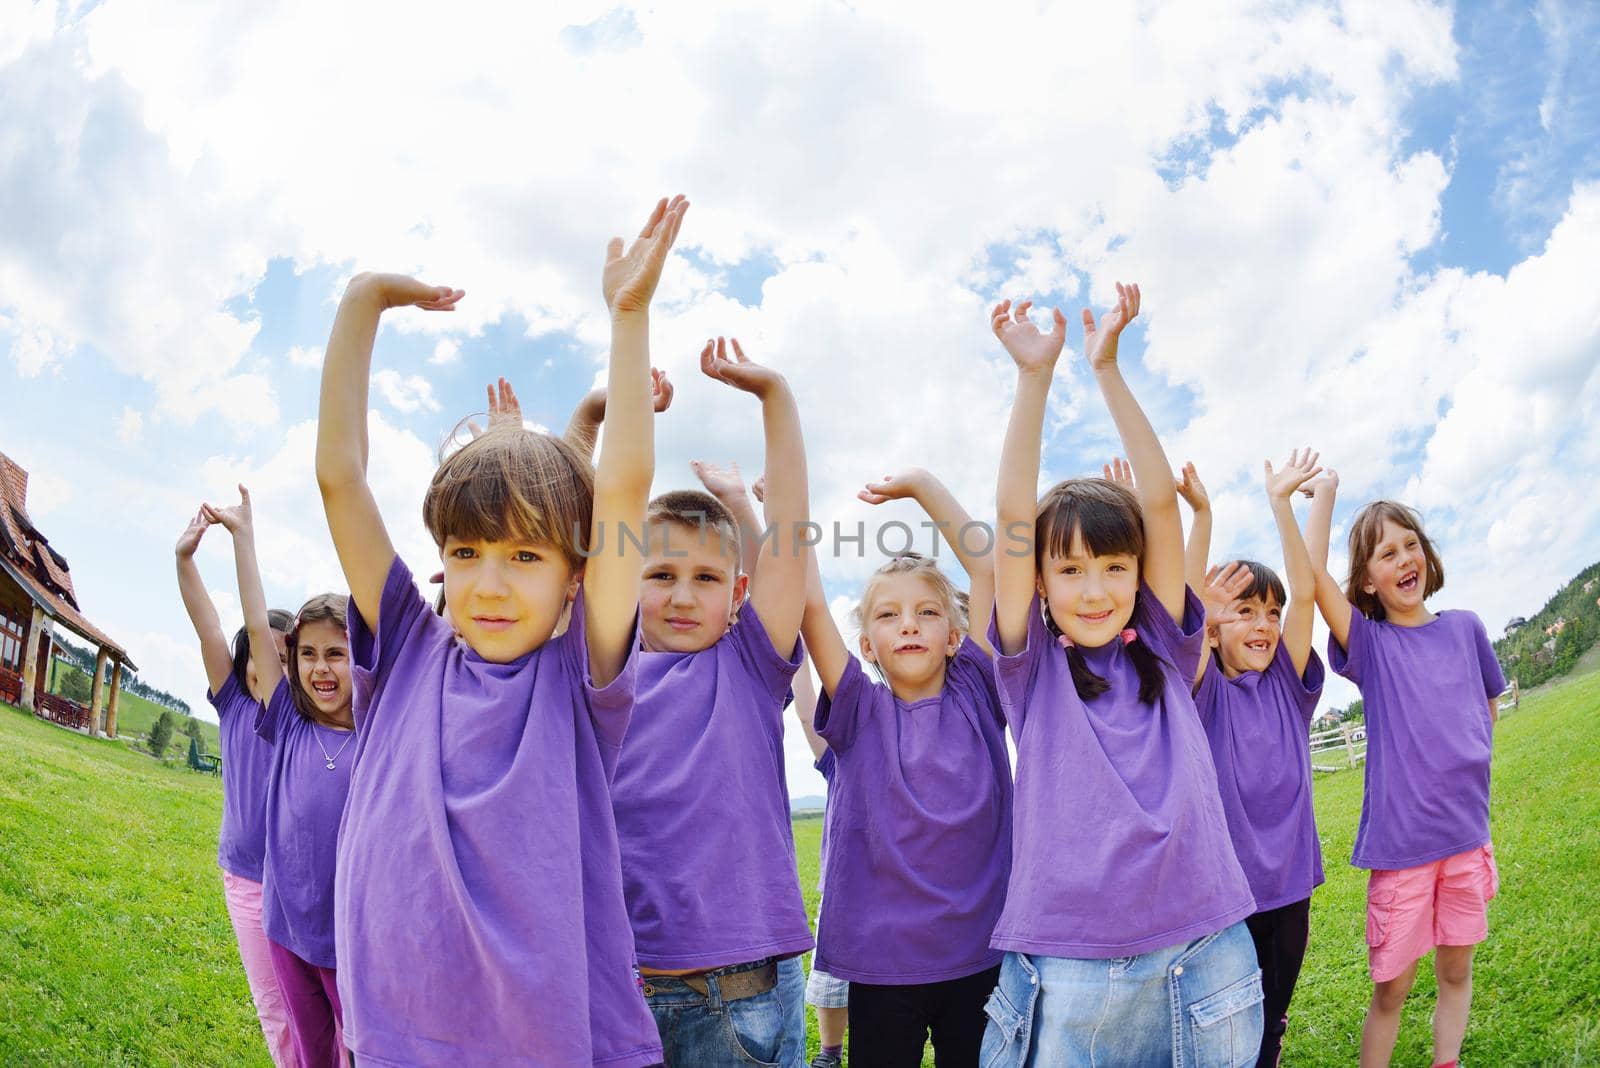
{"x":111,"y":707}
{"x":30,"y":661}
{"x":97,"y":701}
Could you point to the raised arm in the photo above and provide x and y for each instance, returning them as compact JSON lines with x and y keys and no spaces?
{"x":359,"y":536}
{"x":1298,"y":616}
{"x":239,"y":522}
{"x":1195,"y":554}
{"x":951,"y":519}
{"x":197,"y":602}
{"x":779,"y":580}
{"x":824,"y":644}
{"x":805,"y":708}
{"x":727,"y":486}
{"x":583,"y":430}
{"x":1331,"y":601}
{"x":1163,"y":563}
{"x":628,"y":457}
{"x":1017,"y":488}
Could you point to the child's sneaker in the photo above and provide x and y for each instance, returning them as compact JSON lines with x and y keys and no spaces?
{"x":827,"y":1060}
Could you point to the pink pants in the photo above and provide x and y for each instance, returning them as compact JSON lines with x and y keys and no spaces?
{"x":313,"y":997}
{"x":244,"y":909}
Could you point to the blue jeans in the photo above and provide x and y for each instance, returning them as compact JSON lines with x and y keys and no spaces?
{"x":1196,"y":1005}
{"x":703,"y":1030}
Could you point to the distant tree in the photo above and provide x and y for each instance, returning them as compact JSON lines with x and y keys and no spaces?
{"x":191,"y":727}
{"x":161,"y":733}
{"x":75,"y":685}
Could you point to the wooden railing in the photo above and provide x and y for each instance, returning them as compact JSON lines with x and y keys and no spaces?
{"x":10,"y":687}
{"x":58,"y":709}
{"x":1338,"y":748}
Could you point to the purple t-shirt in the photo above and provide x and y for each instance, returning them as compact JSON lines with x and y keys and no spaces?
{"x":703,"y":807}
{"x":1425,"y":693}
{"x":479,"y":900}
{"x":826,"y":764}
{"x":246,"y":765}
{"x":305,"y":800}
{"x":921,"y":832}
{"x":1121,"y":846}
{"x":1259,"y":726}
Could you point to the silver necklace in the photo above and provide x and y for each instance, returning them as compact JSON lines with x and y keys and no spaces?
{"x":330,"y":759}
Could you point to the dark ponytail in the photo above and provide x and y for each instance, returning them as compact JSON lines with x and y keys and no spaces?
{"x":1152,"y":679}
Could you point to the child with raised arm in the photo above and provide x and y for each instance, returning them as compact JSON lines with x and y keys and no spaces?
{"x":718,"y":917}
{"x":919,"y":832}
{"x":1123,"y":925}
{"x":304,"y":716}
{"x":1428,"y":687}
{"x":1257,"y":691}
{"x":231,"y":687}
{"x":480,"y":911}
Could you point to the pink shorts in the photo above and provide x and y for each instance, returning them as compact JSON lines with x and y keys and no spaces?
{"x":1440,"y":903}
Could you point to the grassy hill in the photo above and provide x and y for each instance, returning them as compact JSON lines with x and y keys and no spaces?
{"x":115,"y":947}
{"x":135,"y":714}
{"x":1551,"y":642}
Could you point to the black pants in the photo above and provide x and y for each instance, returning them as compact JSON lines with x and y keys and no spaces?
{"x":1280,"y":935}
{"x":890,"y":1024}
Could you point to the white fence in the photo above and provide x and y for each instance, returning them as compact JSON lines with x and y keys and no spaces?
{"x":1345,"y":746}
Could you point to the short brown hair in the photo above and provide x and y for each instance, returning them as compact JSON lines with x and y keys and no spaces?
{"x":1365,"y":531}
{"x":323,"y":608}
{"x":513,"y":483}
{"x":700,"y":512}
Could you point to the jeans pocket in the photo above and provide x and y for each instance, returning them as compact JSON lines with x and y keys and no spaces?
{"x":755,"y":1029}
{"x":1227,"y":1025}
{"x":1006,"y":1037}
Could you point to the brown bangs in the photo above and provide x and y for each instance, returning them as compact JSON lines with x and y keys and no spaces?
{"x":1105,"y":515}
{"x":1265,"y":586}
{"x":512,"y":484}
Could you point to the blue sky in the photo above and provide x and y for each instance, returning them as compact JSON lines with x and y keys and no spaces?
{"x":1376,"y":235}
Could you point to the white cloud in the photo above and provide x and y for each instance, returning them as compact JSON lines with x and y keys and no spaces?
{"x":406,"y":393}
{"x":447,"y":351}
{"x":304,"y":356}
{"x":130,"y":427}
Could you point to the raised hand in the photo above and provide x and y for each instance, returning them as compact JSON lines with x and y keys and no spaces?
{"x":233,"y":519}
{"x":189,"y":540}
{"x":399,"y":290}
{"x":1100,"y":342}
{"x":504,"y":410}
{"x":660,"y":390}
{"x":758,"y":490}
{"x":719,"y":481}
{"x":1031,"y":348}
{"x":894,"y":487}
{"x":1327,"y":480}
{"x":1192,"y":490}
{"x":1224,"y":586}
{"x":1301,"y":468}
{"x":739,"y":371}
{"x":1119,"y":471}
{"x":629,"y":279}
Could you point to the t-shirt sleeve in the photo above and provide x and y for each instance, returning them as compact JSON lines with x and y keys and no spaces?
{"x":1211,"y":692}
{"x":1303,"y":690}
{"x":756,"y":652}
{"x":402,"y":615}
{"x":230,"y":699}
{"x":1016,"y":675}
{"x":1350,"y":660}
{"x":1494,"y":679}
{"x":273,"y":715}
{"x":1179,"y":646}
{"x":610,"y":707}
{"x":972,"y":672}
{"x":826,"y":765}
{"x":838,"y":714}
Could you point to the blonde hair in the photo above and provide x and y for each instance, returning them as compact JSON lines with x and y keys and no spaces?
{"x":951,"y":599}
{"x":323,"y":608}
{"x":1366,"y":530}
{"x":513,"y":483}
{"x":700,"y":512}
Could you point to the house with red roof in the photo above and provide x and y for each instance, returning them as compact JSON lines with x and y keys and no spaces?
{"x":36,"y":597}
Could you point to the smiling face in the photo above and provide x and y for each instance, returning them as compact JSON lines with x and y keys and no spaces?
{"x":1091,"y":597}
{"x":322,"y":664}
{"x":1396,"y":570}
{"x":907,"y":631}
{"x":691,"y":588}
{"x":1250,"y":642}
{"x":505,"y":597}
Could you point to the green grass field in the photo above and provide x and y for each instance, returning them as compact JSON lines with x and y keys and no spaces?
{"x":135,"y":716}
{"x":115,"y":947}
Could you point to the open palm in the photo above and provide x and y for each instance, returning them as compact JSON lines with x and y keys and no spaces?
{"x":1030,"y":347}
{"x":630,"y":277}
